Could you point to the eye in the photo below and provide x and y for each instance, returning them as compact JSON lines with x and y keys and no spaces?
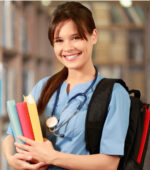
{"x":76,"y":37}
{"x":58,"y":40}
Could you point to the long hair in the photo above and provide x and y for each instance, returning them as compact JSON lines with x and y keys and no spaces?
{"x":83,"y":19}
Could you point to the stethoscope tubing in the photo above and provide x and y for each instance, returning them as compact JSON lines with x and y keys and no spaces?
{"x":78,"y":108}
{"x":56,"y":129}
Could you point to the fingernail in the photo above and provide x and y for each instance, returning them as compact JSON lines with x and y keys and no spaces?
{"x":29,"y":157}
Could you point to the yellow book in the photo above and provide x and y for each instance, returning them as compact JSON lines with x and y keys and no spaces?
{"x":34,"y":117}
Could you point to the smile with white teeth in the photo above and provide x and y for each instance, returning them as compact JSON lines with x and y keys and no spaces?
{"x":71,"y":57}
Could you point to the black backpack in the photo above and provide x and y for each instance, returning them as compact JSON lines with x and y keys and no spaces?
{"x":136,"y":142}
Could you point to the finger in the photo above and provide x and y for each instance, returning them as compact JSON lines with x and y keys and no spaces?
{"x":43,"y":167}
{"x":35,"y":166}
{"x":22,"y":146}
{"x":24,"y":157}
{"x":21,"y":151}
{"x":26,"y":140}
{"x":45,"y":139}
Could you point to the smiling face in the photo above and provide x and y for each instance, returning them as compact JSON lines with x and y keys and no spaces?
{"x":71,"y":50}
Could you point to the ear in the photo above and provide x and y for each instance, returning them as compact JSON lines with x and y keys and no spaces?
{"x":94,"y":36}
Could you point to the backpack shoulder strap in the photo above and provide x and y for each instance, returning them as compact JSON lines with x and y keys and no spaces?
{"x":97,"y":113}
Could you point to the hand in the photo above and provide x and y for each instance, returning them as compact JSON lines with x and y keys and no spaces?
{"x":19,"y":162}
{"x":40,"y":151}
{"x":43,"y":167}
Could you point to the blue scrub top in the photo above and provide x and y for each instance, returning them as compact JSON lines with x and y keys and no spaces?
{"x":115,"y":127}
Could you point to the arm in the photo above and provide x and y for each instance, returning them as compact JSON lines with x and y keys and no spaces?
{"x":44,"y":151}
{"x":88,"y":162}
{"x":8,"y":147}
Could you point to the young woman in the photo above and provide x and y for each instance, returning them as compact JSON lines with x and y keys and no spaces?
{"x":61,"y":104}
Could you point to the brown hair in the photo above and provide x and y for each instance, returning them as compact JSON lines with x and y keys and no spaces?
{"x":83,"y":19}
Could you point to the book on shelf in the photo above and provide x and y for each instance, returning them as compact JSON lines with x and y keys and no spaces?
{"x":28,"y":81}
{"x":30,"y":22}
{"x":104,"y":36}
{"x":116,"y":15}
{"x":24,"y":37}
{"x":8,"y":25}
{"x":11,"y":80}
{"x":101,"y":13}
{"x":123,"y":15}
{"x":140,"y":12}
{"x":102,"y":53}
{"x":118,"y":53}
{"x":136,"y":43}
{"x":128,"y":15}
{"x":3,"y":24}
{"x":42,"y":46}
{"x":3,"y":90}
{"x":111,"y":47}
{"x":110,"y":72}
{"x":135,"y":17}
{"x":136,"y":79}
{"x":0,"y":91}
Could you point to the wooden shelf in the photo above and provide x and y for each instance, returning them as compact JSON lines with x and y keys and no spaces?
{"x":9,"y":52}
{"x":110,"y":63}
{"x":121,"y":27}
{"x":136,"y":64}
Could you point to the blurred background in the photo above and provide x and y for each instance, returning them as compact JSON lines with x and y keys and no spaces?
{"x":26,"y":55}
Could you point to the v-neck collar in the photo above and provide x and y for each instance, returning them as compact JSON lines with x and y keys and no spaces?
{"x":78,"y":88}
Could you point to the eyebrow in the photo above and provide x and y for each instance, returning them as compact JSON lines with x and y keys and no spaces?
{"x":70,"y":35}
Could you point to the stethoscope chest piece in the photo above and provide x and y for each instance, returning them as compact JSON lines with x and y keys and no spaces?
{"x":51,"y":122}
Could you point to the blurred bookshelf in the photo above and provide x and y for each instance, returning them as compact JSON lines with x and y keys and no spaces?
{"x":25,"y":54}
{"x":122,"y":50}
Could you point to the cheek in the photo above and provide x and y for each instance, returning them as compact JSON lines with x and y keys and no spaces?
{"x":85,"y":47}
{"x":57,"y":50}
{"x":80,"y":45}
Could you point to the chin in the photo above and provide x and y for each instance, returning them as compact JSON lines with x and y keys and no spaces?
{"x":74,"y":66}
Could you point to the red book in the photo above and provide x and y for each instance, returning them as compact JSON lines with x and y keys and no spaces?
{"x":24,"y":118}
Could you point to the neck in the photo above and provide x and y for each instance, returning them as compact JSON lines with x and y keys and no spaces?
{"x":76,"y":76}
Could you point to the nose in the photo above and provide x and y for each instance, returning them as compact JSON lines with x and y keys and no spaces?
{"x":67,"y":46}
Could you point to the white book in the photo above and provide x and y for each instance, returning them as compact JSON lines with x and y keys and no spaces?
{"x":138,"y":21}
{"x":3,"y":24}
{"x":28,"y":81}
{"x":1,"y":89}
{"x":11,"y":84}
{"x":8,"y":24}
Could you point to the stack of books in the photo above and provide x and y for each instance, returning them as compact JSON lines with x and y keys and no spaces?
{"x":24,"y":119}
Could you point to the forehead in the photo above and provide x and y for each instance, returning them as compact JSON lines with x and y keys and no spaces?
{"x":67,"y":27}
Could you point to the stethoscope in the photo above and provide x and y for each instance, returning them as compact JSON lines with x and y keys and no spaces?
{"x":52,"y":121}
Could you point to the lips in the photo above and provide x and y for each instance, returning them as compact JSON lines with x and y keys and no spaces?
{"x":71,"y":57}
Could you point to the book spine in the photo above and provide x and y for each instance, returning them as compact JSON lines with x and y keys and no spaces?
{"x":35,"y":122}
{"x":14,"y":120}
{"x":25,"y":120}
{"x":34,"y":117}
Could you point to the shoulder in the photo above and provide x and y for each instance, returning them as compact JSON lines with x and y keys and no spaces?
{"x":36,"y":91}
{"x":120,"y":93}
{"x":42,"y":82}
{"x":120,"y":100}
